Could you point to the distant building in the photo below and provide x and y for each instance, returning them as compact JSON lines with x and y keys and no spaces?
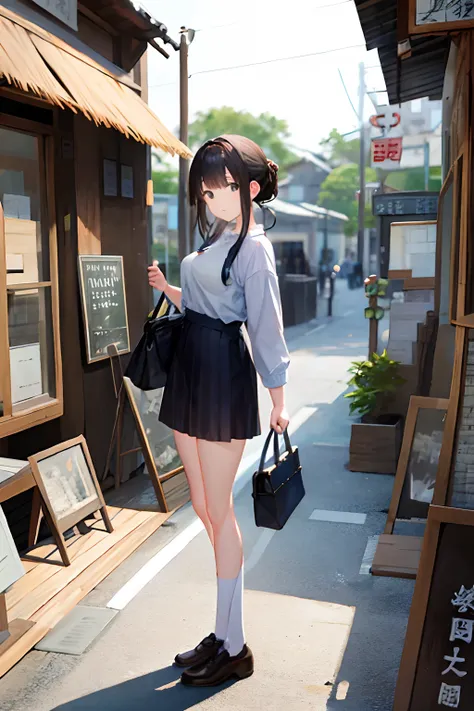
{"x":305,"y":178}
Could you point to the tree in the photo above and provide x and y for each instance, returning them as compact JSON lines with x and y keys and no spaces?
{"x":165,"y":180}
{"x":266,"y":130}
{"x":414,"y":179}
{"x":338,"y":193}
{"x":341,"y":150}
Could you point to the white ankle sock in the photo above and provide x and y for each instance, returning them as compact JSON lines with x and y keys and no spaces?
{"x":229,"y":617}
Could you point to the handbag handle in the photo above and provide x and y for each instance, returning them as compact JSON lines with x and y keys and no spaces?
{"x":276,"y":450}
{"x":158,"y":306}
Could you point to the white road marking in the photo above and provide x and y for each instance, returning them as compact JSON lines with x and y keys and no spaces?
{"x":313,"y":330}
{"x":348,"y":313}
{"x":369,"y":555}
{"x":338,"y":516}
{"x":149,"y":571}
{"x":328,"y":443}
{"x":259,"y":549}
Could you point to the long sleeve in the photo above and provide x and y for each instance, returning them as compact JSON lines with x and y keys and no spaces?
{"x":265,"y":327}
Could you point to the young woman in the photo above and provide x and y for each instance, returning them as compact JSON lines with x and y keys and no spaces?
{"x":210,"y":399}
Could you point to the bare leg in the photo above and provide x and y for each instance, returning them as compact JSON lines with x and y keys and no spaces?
{"x":219,"y":464}
{"x":188,"y":451}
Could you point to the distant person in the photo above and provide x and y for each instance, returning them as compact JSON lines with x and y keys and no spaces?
{"x":348,"y":267}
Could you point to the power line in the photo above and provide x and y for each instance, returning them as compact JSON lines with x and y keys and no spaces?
{"x":278,"y":59}
{"x":347,"y":93}
{"x":266,"y":61}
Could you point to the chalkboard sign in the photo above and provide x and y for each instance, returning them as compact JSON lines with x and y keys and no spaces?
{"x":437,"y":667}
{"x":104,"y":305}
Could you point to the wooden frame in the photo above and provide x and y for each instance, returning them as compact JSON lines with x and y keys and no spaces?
{"x":438,"y":515}
{"x":44,"y":408}
{"x":434,"y":27}
{"x":441,"y":492}
{"x":100,"y":257}
{"x":417,"y":403}
{"x":156,"y":478}
{"x":96,"y":503}
{"x":398,"y":555}
{"x":447,"y":184}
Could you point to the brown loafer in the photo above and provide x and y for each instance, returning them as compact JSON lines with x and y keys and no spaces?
{"x":220,"y":669}
{"x":206,"y":650}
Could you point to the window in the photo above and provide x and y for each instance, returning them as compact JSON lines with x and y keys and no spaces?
{"x":30,"y":367}
{"x":296,"y":193}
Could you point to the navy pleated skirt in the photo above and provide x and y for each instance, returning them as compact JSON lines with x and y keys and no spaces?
{"x":211,"y":389}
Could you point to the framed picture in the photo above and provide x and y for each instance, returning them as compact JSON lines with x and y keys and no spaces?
{"x":110,"y":178}
{"x":68,"y":487}
{"x":158,"y":445}
{"x":11,"y":567}
{"x":126,"y":179}
{"x":437,"y":666}
{"x":413,"y":489}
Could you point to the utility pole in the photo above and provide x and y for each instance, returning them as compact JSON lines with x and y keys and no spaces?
{"x":361,"y":226}
{"x":187,"y":37}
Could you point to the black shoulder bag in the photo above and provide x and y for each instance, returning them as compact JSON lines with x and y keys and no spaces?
{"x":151,"y":360}
{"x":277,"y":490}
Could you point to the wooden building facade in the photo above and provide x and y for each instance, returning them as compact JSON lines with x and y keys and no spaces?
{"x":75,"y":131}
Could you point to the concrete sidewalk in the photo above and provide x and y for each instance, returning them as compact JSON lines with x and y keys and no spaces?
{"x":325,"y":634}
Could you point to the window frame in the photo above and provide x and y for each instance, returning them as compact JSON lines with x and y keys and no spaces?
{"x":41,"y":409}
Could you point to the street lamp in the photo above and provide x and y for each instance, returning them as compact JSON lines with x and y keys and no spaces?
{"x":187,"y":36}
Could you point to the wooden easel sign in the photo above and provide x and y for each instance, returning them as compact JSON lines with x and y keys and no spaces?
{"x":68,"y":490}
{"x":413,"y":488}
{"x":437,"y":667}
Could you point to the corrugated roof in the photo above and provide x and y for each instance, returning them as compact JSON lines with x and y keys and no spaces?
{"x":321,"y":211}
{"x":417,"y":76}
{"x":310,"y":157}
{"x":288,"y":208}
{"x":34,"y":60}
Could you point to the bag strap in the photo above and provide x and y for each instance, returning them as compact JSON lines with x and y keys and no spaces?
{"x":276,"y":450}
{"x":158,"y":306}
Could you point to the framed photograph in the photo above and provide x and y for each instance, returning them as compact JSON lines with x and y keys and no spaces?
{"x":439,"y":637}
{"x":68,"y":486}
{"x":110,"y":178}
{"x":126,"y":178}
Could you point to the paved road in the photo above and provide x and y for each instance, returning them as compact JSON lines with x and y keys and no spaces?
{"x":325,"y":634}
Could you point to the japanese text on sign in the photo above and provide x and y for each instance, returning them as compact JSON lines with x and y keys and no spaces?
{"x":462,"y":632}
{"x":440,"y":11}
{"x":386,"y":151}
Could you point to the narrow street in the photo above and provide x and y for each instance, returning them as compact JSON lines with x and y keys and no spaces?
{"x":325,"y":634}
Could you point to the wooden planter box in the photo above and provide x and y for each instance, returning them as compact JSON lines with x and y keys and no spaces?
{"x":375,"y":444}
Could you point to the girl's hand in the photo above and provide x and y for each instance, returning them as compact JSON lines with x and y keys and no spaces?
{"x":156,"y":278}
{"x":279,"y":419}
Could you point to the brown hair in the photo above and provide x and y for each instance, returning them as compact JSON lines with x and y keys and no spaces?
{"x":246,"y":162}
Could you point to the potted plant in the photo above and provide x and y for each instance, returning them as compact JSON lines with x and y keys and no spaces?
{"x":376,"y":438}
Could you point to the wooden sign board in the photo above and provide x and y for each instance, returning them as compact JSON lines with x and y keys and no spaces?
{"x":432,"y":16}
{"x":437,"y":667}
{"x":11,"y":567}
{"x":104,"y":305}
{"x":156,"y":440}
{"x":413,"y":486}
{"x":68,"y":486}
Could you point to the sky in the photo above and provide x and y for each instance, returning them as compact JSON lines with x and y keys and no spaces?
{"x":306,"y":92}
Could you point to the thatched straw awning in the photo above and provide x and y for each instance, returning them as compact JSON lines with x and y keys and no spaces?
{"x":34,"y":60}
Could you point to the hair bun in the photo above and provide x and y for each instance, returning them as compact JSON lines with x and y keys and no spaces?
{"x":273,"y":165}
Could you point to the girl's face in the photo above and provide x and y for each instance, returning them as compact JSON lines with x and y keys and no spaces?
{"x":224,"y":203}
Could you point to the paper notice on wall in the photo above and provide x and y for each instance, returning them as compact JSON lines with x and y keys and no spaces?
{"x":25,"y":368}
{"x":17,"y":206}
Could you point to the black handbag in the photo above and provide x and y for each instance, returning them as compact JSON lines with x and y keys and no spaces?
{"x":277,"y":490}
{"x":151,"y":360}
